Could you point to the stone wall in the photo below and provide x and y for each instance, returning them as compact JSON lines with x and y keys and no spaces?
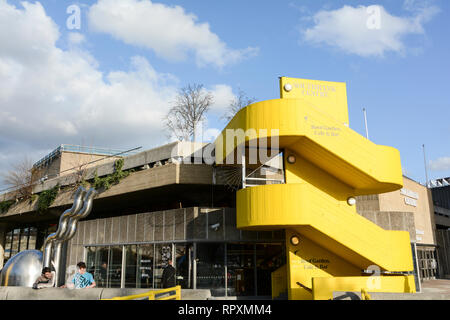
{"x":403,"y":221}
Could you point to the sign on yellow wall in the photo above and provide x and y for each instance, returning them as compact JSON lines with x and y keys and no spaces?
{"x":330,"y":97}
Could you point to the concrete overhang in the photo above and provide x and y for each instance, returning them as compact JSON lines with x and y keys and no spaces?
{"x":149,"y":184}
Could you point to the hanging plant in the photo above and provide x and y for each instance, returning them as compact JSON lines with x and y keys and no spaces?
{"x":5,"y":205}
{"x":46,"y":199}
{"x":114,"y":178}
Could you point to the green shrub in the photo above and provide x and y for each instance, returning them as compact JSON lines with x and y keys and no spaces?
{"x":46,"y":199}
{"x":114,"y":178}
{"x":5,"y":205}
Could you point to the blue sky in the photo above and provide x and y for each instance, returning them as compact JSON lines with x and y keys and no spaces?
{"x":109,"y":82}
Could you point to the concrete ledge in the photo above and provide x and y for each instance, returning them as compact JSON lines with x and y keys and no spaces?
{"x":25,"y":293}
{"x":409,"y":296}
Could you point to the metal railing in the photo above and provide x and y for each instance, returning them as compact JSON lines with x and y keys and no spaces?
{"x":173,"y":293}
{"x":82,"y":149}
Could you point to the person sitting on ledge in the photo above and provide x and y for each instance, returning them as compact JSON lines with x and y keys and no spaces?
{"x":83,"y":279}
{"x":45,"y":280}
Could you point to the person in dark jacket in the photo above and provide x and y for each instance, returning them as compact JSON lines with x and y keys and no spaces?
{"x":45,"y":280}
{"x":168,"y":276}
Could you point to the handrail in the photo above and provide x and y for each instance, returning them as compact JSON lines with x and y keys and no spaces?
{"x":365,"y":295}
{"x":174,"y":294}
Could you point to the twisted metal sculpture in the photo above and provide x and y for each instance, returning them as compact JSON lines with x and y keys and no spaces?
{"x":67,"y":227}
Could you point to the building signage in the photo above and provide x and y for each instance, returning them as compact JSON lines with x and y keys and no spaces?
{"x":409,"y":193}
{"x":411,"y":197}
{"x":411,"y":202}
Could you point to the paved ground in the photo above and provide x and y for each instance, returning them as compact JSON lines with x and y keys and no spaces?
{"x":436,"y":286}
{"x":431,"y":290}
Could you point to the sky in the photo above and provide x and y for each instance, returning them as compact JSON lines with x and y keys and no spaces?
{"x":104,"y":73}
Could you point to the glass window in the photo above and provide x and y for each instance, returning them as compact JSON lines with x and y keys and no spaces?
{"x":90,"y":260}
{"x":145,"y":259}
{"x":163,"y":254}
{"x":24,"y":239}
{"x":269,"y":257}
{"x":101,"y":270}
{"x":8,"y":244}
{"x":211,"y":267}
{"x":115,"y":267}
{"x":131,"y":267}
{"x":97,"y":262}
{"x":241,"y":269}
{"x":32,"y":239}
{"x":271,"y":171}
{"x":15,"y":242}
{"x":184,"y":255}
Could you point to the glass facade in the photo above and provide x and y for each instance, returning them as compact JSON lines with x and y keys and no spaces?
{"x":19,"y":239}
{"x":206,"y":249}
{"x":226,"y":268}
{"x":145,"y":266}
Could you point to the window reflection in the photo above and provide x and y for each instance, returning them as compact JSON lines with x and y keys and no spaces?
{"x":145,"y":266}
{"x":163,"y":254}
{"x":211,"y":267}
{"x":8,"y":244}
{"x":15,"y":241}
{"x":18,"y":240}
{"x":114,"y":271}
{"x":183,"y":266}
{"x":269,"y":257}
{"x":241,"y":269}
{"x":249,"y":266}
{"x":130,"y":267}
{"x":97,"y":263}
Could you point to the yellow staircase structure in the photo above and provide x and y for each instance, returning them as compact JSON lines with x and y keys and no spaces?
{"x":328,"y":245}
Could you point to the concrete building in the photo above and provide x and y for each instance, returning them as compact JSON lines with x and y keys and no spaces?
{"x":164,"y":208}
{"x":284,"y":225}
{"x":169,"y":208}
{"x":410,"y":209}
{"x":440,"y":190}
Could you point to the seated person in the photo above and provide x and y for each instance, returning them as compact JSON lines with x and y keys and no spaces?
{"x":83,"y":279}
{"x":45,"y":280}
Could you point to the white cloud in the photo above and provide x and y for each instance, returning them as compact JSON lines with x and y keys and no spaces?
{"x":223,"y":95}
{"x":367,"y":31}
{"x":167,"y":30}
{"x":76,"y":38}
{"x":441,"y":164}
{"x":51,"y":96}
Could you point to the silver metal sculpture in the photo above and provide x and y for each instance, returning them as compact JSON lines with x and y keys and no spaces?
{"x":22,"y":269}
{"x":67,"y":227}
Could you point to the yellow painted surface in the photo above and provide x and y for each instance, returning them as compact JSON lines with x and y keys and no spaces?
{"x":174,"y":293}
{"x":279,"y":281}
{"x":330,"y":97}
{"x":332,"y":164}
{"x":366,"y":167}
{"x":323,"y":287}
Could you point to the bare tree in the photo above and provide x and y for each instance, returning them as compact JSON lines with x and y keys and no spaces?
{"x":20,"y":179}
{"x":188,"y":110}
{"x":237,"y":104}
